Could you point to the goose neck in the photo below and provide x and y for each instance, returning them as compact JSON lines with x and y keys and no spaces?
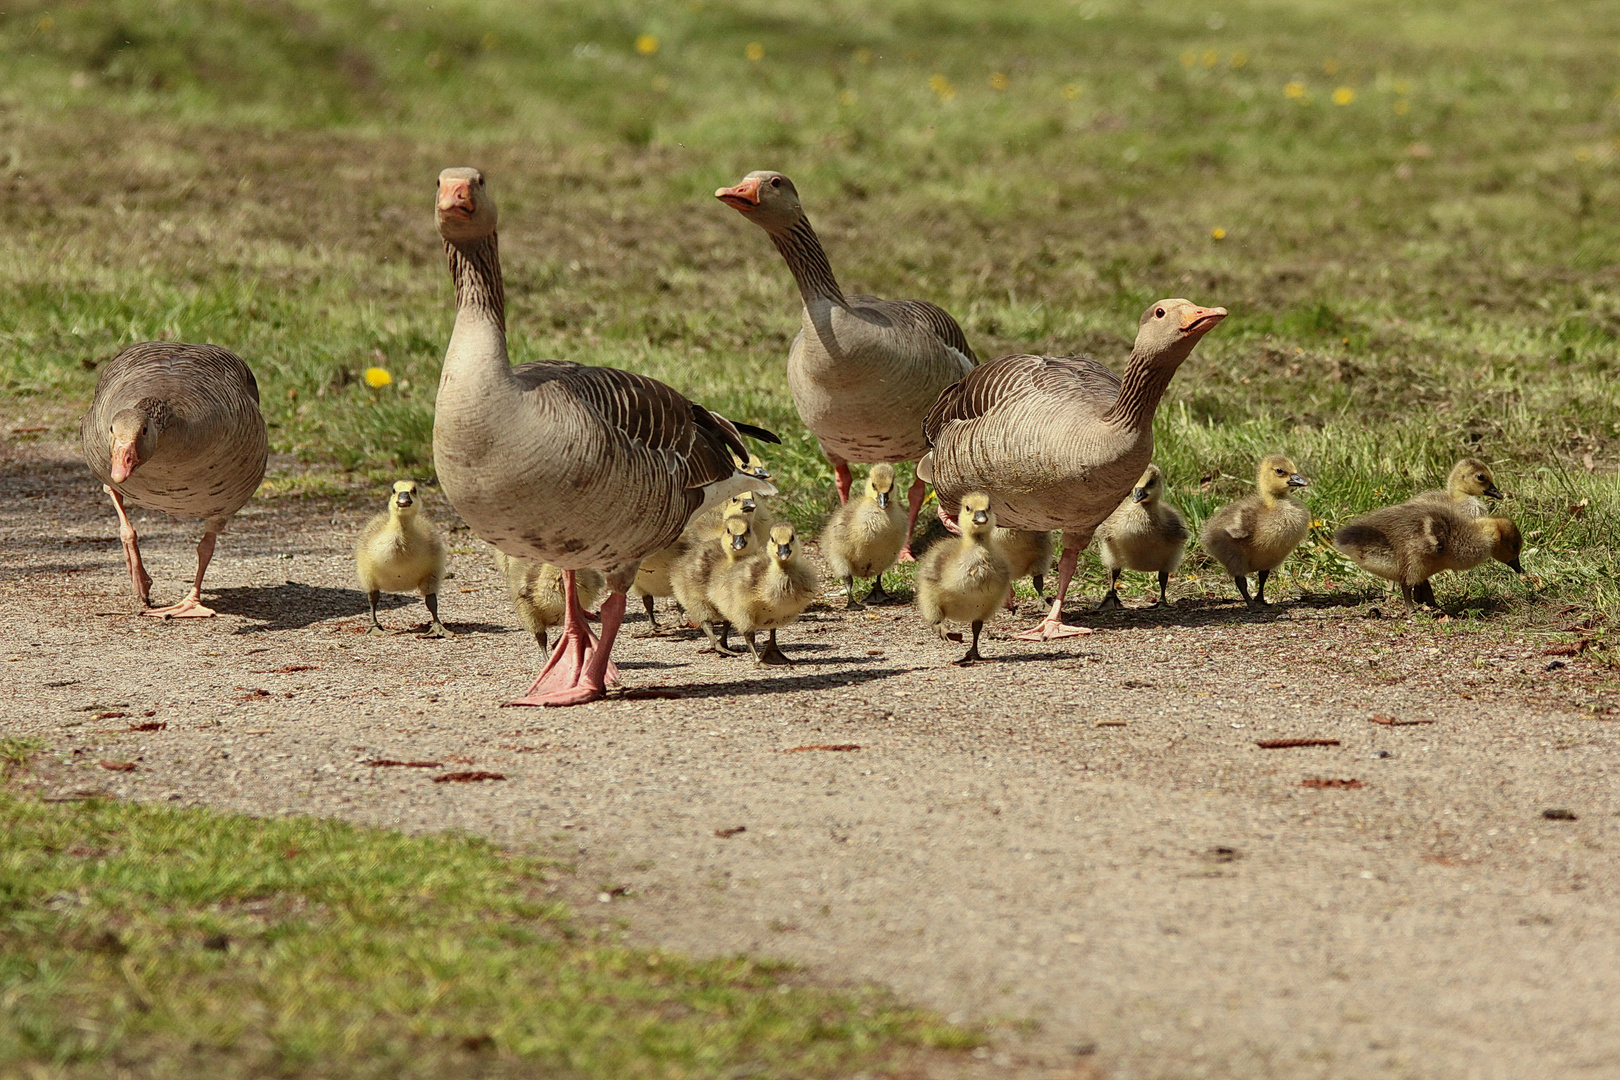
{"x":1147,"y":376}
{"x":480,"y":331}
{"x":801,"y":249}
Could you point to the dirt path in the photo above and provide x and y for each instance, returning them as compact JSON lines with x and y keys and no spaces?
{"x":1080,"y":842}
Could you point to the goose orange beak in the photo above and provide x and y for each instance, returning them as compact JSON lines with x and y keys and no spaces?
{"x":124,"y":461}
{"x":456,"y":198}
{"x":744,"y":196}
{"x":1201,"y":319}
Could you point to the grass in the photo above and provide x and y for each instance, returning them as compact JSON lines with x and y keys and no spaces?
{"x":1408,"y":208}
{"x":138,"y":941}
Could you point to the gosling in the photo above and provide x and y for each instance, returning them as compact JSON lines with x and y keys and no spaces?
{"x":1469,"y":482}
{"x":1145,"y":534}
{"x":693,"y":575}
{"x":766,"y":591}
{"x":653,"y":577}
{"x":964,"y":578}
{"x":864,"y":536}
{"x":1256,"y":533}
{"x":400,"y":551}
{"x":1028,"y":554}
{"x":1410,"y":543}
{"x":536,"y":589}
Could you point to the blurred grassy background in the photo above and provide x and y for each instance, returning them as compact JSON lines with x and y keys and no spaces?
{"x":1409,"y":209}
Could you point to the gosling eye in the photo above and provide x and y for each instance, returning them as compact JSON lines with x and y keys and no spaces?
{"x":1159,"y":314}
{"x":1480,"y":478}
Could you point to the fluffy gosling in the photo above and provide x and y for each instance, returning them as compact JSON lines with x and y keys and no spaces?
{"x":1145,"y":534}
{"x":964,"y":578}
{"x":400,"y":551}
{"x":536,"y":589}
{"x":1256,"y":533}
{"x":653,"y":578}
{"x":864,"y":536}
{"x":693,"y":575}
{"x":1410,"y":543}
{"x":765,"y":591}
{"x":1028,"y":554}
{"x":1470,"y":482}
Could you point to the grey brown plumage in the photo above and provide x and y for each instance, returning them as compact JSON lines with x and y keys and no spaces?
{"x":1057,"y":441}
{"x":1254,"y":534}
{"x":1145,"y":534}
{"x":581,"y":467}
{"x":1410,"y":543}
{"x":177,"y":428}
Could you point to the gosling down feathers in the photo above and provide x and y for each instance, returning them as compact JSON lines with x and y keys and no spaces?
{"x":692,"y":577}
{"x":1058,"y":441}
{"x":1257,"y":532}
{"x":864,"y":536}
{"x":1410,"y":543}
{"x":653,"y":578}
{"x":536,"y":590}
{"x":1145,"y":534}
{"x":176,"y":428}
{"x":581,"y":467}
{"x":964,"y":578}
{"x":1028,"y":554}
{"x":400,"y":551}
{"x":1469,"y":482}
{"x":766,"y":591}
{"x":863,"y":372}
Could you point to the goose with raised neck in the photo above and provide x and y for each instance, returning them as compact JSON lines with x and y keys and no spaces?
{"x":177,"y":428}
{"x":581,"y":467}
{"x":863,"y":372}
{"x":1058,"y":441}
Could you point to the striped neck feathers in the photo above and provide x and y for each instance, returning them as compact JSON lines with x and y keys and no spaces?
{"x":475,"y":266}
{"x":802,"y":250}
{"x":1147,"y":377}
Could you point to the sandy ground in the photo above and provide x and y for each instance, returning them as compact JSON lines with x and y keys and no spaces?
{"x":1079,"y":843}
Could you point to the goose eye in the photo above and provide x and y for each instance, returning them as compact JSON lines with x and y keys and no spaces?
{"x":776,"y":181}
{"x":1159,"y":314}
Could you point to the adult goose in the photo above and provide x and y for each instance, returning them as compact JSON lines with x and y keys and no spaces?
{"x":1057,"y":441}
{"x":580,"y":467}
{"x":863,"y":371}
{"x":176,"y":428}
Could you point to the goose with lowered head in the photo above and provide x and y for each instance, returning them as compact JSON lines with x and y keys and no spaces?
{"x":581,"y":467}
{"x":1058,"y":441}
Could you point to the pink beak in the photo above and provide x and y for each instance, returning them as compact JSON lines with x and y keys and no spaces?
{"x":456,"y":197}
{"x":744,"y":197}
{"x":123,"y":461}
{"x":1201,"y":319}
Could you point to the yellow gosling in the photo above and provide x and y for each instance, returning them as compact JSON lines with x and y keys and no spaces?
{"x":536,"y":590}
{"x":400,"y":551}
{"x":1410,"y":543}
{"x":1145,"y":534}
{"x":693,"y":574}
{"x":1255,"y":534}
{"x":1470,"y":482}
{"x":964,"y":578}
{"x":864,"y":536}
{"x":765,"y":591}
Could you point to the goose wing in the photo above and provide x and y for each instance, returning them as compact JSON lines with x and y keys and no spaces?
{"x":1009,"y":379}
{"x":921,"y":315}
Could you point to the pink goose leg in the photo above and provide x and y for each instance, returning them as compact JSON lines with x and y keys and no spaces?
{"x":841,"y":478}
{"x":580,"y":666}
{"x":1052,"y":626}
{"x":192,"y":606}
{"x":138,"y":576}
{"x":914,"y":501}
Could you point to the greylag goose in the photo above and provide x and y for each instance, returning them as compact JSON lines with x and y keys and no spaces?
{"x":1410,"y":543}
{"x":400,"y":551}
{"x":1057,"y":441}
{"x":1145,"y":534}
{"x":536,"y":590}
{"x":963,"y":579}
{"x":1257,"y":532}
{"x":765,"y":591}
{"x":176,"y":428}
{"x":1470,"y":481}
{"x":862,"y":371}
{"x":581,"y":467}
{"x":864,"y":536}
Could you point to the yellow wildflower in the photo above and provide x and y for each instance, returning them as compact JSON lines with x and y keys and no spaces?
{"x":1071,"y":91}
{"x":646,"y":44}
{"x":847,"y":96}
{"x":942,"y":86}
{"x":1218,"y":233}
{"x":998,"y":81}
{"x":1239,"y":58}
{"x":755,"y":51}
{"x":1211,"y":58}
{"x":1344,"y":95}
{"x":1402,"y":107}
{"x":1294,"y":90}
{"x":377,"y":377}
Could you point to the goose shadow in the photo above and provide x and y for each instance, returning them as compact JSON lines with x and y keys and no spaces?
{"x":294,"y":606}
{"x":769,"y":685}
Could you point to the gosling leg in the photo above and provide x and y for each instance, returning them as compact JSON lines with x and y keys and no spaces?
{"x":1260,"y":577}
{"x":376,"y":627}
{"x":540,"y":640}
{"x":854,"y":604}
{"x":773,"y":653}
{"x":879,"y":595}
{"x":1164,"y":586}
{"x":1112,"y":599}
{"x":436,"y":628}
{"x":973,"y":650}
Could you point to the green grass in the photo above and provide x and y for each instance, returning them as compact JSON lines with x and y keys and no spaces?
{"x":1421,"y":271}
{"x":147,"y":942}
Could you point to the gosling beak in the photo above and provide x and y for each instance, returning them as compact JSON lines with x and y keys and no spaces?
{"x":456,"y":199}
{"x":123,"y":461}
{"x":1297,"y":480}
{"x":784,"y":551}
{"x":402,"y":499}
{"x":883,"y":500}
{"x":1516,"y":567}
{"x":739,"y":541}
{"x":981,"y":517}
{"x":1494,"y":492}
{"x":1201,"y":320}
{"x":748,"y":505}
{"x":1139,"y":495}
{"x":744,"y":196}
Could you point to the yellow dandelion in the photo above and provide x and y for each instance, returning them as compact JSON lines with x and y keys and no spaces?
{"x":1218,"y":233}
{"x":998,"y":81}
{"x":45,"y":24}
{"x":863,"y":55}
{"x":1330,"y":66}
{"x":1239,"y":58}
{"x":938,"y":83}
{"x":847,"y":97}
{"x":1402,"y":86}
{"x":1210,"y":58}
{"x":377,"y":377}
{"x":1071,"y":90}
{"x":1344,"y":95}
{"x":755,"y":51}
{"x":1402,"y":107}
{"x":1294,"y":90}
{"x":646,"y":44}
{"x":1189,"y":59}
{"x":1583,"y":153}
